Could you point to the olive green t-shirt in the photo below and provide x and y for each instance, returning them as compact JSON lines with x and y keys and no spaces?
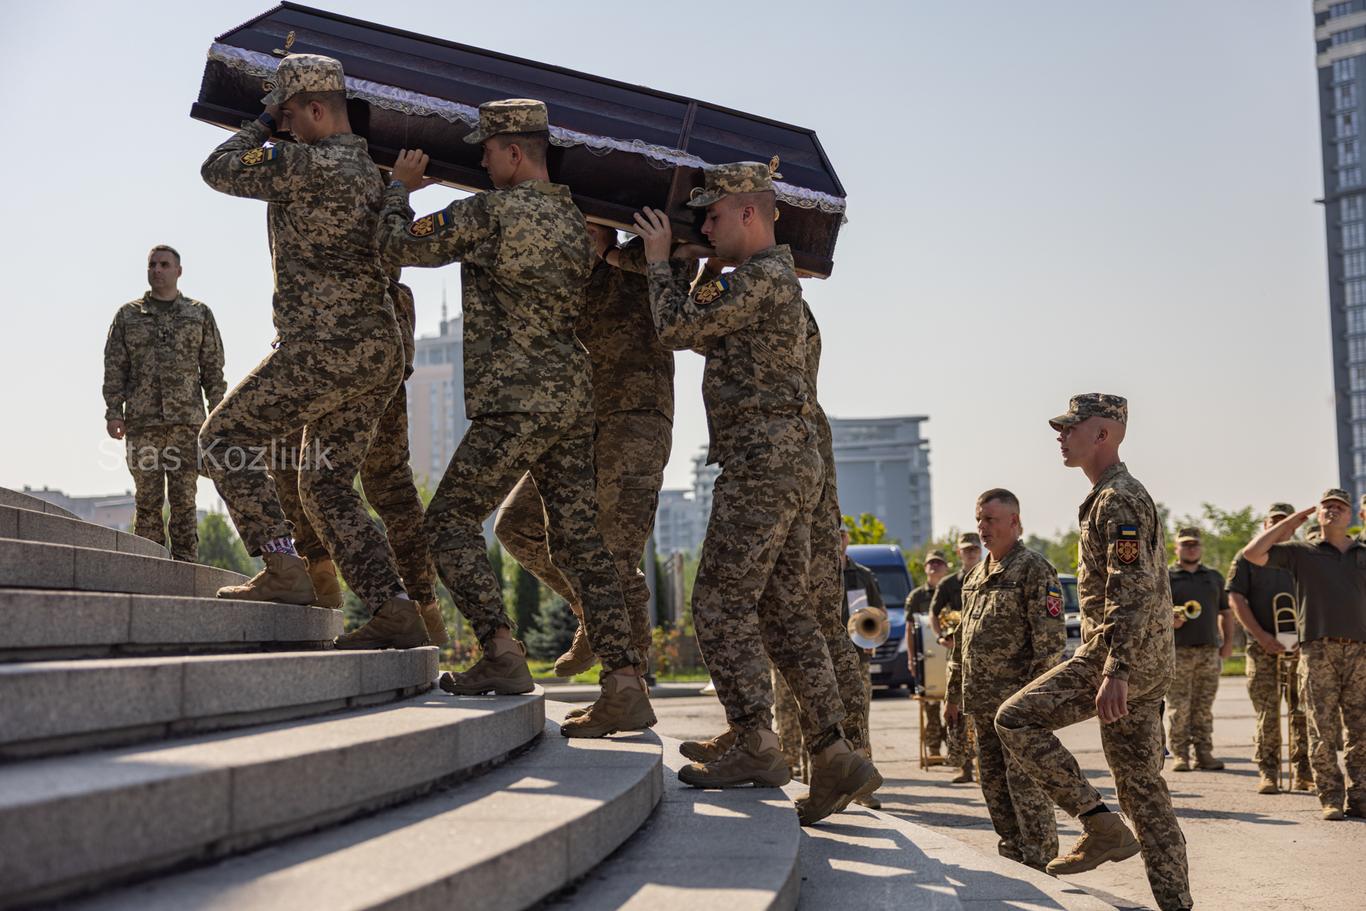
{"x":1330,"y":586}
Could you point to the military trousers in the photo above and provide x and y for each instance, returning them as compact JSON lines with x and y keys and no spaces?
{"x":959,"y":738}
{"x":334,"y":393}
{"x":827,"y":592}
{"x":1264,"y":691}
{"x":1333,"y":687}
{"x":630,"y":450}
{"x":934,"y":726}
{"x":164,"y":463}
{"x":788,"y":722}
{"x":1021,"y":813}
{"x":1190,"y":699}
{"x":1066,"y":695}
{"x":751,"y":600}
{"x":557,"y":449}
{"x":387,"y":483}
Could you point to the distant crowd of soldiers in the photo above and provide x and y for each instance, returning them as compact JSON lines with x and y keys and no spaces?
{"x":568,"y":342}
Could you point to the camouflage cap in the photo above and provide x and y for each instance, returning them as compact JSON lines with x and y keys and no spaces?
{"x":510,"y":115}
{"x":740,"y":177}
{"x":304,"y":73}
{"x":1188,"y":535}
{"x":969,"y":539}
{"x":1092,"y":405}
{"x":1336,"y":493}
{"x":936,"y":555}
{"x":1283,"y":509}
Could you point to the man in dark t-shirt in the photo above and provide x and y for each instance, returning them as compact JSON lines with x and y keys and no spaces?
{"x":918,"y":602}
{"x":948,"y":597}
{"x":1204,"y":637}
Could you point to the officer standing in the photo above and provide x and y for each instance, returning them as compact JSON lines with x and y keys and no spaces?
{"x":1012,"y":631}
{"x":1120,"y":672}
{"x":918,"y":602}
{"x":1202,"y":644}
{"x":948,"y":598}
{"x":525,"y":257}
{"x":162,"y":358}
{"x":752,"y":594}
{"x":1330,"y":577}
{"x":337,"y":358}
{"x":1254,"y":593}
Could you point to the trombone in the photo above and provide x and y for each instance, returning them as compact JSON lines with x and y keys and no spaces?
{"x":1283,"y":618}
{"x":1191,"y":610}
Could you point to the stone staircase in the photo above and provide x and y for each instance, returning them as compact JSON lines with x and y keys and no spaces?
{"x":162,"y":749}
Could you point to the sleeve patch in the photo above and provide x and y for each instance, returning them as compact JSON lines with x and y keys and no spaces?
{"x":428,"y":224}
{"x":711,"y":291}
{"x":252,"y":157}
{"x":1054,"y":601}
{"x":1126,"y":544}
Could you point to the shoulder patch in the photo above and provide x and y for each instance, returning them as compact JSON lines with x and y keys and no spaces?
{"x":1126,"y":543}
{"x":428,"y":224}
{"x":259,"y":156}
{"x":709,"y":292}
{"x":1053,"y":603}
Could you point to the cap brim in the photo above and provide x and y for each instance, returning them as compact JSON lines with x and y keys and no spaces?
{"x":1187,"y":540}
{"x":474,"y":137}
{"x":704,"y":199}
{"x":272,"y":98}
{"x":1064,"y":420}
{"x":1347,"y":503}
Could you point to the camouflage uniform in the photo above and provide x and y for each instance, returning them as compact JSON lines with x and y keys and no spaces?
{"x":158,"y":357}
{"x":1197,"y":665}
{"x":959,"y":737}
{"x":1126,"y":633}
{"x":1013,"y":630}
{"x":752,"y":594}
{"x":633,"y":407}
{"x":386,"y":479}
{"x":338,"y":355}
{"x":525,"y":255}
{"x":918,"y":602}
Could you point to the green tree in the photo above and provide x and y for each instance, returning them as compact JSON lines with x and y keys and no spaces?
{"x":553,"y":631}
{"x":219,"y":546}
{"x":526,"y":599}
{"x":1061,"y":549}
{"x":1223,"y":533}
{"x":866,"y":529}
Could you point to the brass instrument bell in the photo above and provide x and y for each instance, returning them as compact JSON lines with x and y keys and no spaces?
{"x":869,"y":627}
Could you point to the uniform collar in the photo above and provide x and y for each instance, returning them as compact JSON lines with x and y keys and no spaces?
{"x":993,"y":565}
{"x":1108,"y":475}
{"x":145,"y":303}
{"x":781,"y":252}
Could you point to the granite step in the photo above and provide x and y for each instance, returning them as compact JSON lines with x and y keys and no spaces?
{"x":80,"y":823}
{"x":61,"y":706}
{"x":39,"y":624}
{"x":28,"y":525}
{"x":500,"y":842}
{"x":36,"y":564}
{"x":22,"y":500}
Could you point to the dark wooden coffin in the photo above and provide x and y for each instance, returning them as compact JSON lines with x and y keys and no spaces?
{"x":617,"y":146}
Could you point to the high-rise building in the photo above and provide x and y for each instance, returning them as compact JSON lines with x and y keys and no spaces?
{"x":883,"y":467}
{"x":1340,"y":37}
{"x":436,"y":399}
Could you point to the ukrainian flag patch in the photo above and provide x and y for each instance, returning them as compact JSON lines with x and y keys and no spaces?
{"x":711,"y":290}
{"x":253,"y":157}
{"x":1126,"y":544}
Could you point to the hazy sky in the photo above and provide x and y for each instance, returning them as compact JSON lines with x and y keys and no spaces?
{"x":1045,"y":197}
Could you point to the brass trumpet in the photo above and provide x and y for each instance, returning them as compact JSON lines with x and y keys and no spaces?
{"x":949,"y":621}
{"x":869,"y":627}
{"x":1191,"y":610}
{"x":1285,"y":621}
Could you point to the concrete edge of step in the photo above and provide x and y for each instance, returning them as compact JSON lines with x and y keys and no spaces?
{"x":29,"y":525}
{"x":21,"y":500}
{"x":179,"y":805}
{"x":39,"y":564}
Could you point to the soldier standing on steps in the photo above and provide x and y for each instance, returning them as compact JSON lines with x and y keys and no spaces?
{"x":162,"y":358}
{"x":1120,"y":672}
{"x":525,"y":257}
{"x":752,"y":595}
{"x":1202,"y":644}
{"x":338,"y":356}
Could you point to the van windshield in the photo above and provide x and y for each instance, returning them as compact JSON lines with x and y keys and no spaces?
{"x":892,"y":583}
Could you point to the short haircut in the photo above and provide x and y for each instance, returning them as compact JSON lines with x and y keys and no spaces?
{"x":333,"y":102}
{"x":535,"y":145}
{"x":165,"y":248}
{"x":1000,"y":495}
{"x":764,"y":202}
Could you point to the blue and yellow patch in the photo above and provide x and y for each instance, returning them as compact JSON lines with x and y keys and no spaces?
{"x":709,"y":292}
{"x":253,"y":157}
{"x":1053,"y":602}
{"x":1126,"y":543}
{"x":428,"y":224}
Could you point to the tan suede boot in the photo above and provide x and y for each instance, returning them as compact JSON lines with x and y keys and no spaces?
{"x":326,"y":589}
{"x":395,"y":625}
{"x":1267,"y":784}
{"x":964,"y":776}
{"x":284,"y":581}
{"x":430,"y":613}
{"x":502,"y":671}
{"x":623,"y":706}
{"x":1205,"y":760}
{"x":839,"y":776}
{"x":579,"y":658}
{"x":1106,"y":838}
{"x":708,"y":750}
{"x":754,"y":758}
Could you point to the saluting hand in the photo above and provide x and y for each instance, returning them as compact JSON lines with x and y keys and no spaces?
{"x":1285,"y":529}
{"x":409,"y":168}
{"x":658,"y":235}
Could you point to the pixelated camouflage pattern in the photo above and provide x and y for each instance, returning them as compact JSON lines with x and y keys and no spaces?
{"x":960,"y":738}
{"x":1021,"y":813}
{"x":1092,"y":405}
{"x":1331,"y":675}
{"x":304,"y":73}
{"x":1336,"y":493}
{"x":736,"y":177}
{"x":324,"y":204}
{"x":753,"y":334}
{"x":630,"y":449}
{"x":163,"y":461}
{"x":336,"y":394}
{"x":557,"y":449}
{"x":1264,"y":692}
{"x":632,"y":371}
{"x":161,"y":360}
{"x":509,"y":115}
{"x":787,"y":720}
{"x":1190,"y":699}
{"x":525,"y":257}
{"x":1008,"y":635}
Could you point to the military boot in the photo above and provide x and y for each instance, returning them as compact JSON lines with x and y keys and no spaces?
{"x":1267,"y":783}
{"x":322,"y":572}
{"x":430,"y":612}
{"x":579,"y":658}
{"x":1204,"y":759}
{"x":964,"y":776}
{"x":1181,"y":763}
{"x":623,"y":706}
{"x":1356,"y":807}
{"x":1106,"y":838}
{"x":870,"y":800}
{"x":395,"y":625}
{"x":754,"y":758}
{"x":709,"y":750}
{"x":839,"y":776}
{"x":1304,"y":779}
{"x":284,"y":581}
{"x":1332,"y":813}
{"x":502,"y":670}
